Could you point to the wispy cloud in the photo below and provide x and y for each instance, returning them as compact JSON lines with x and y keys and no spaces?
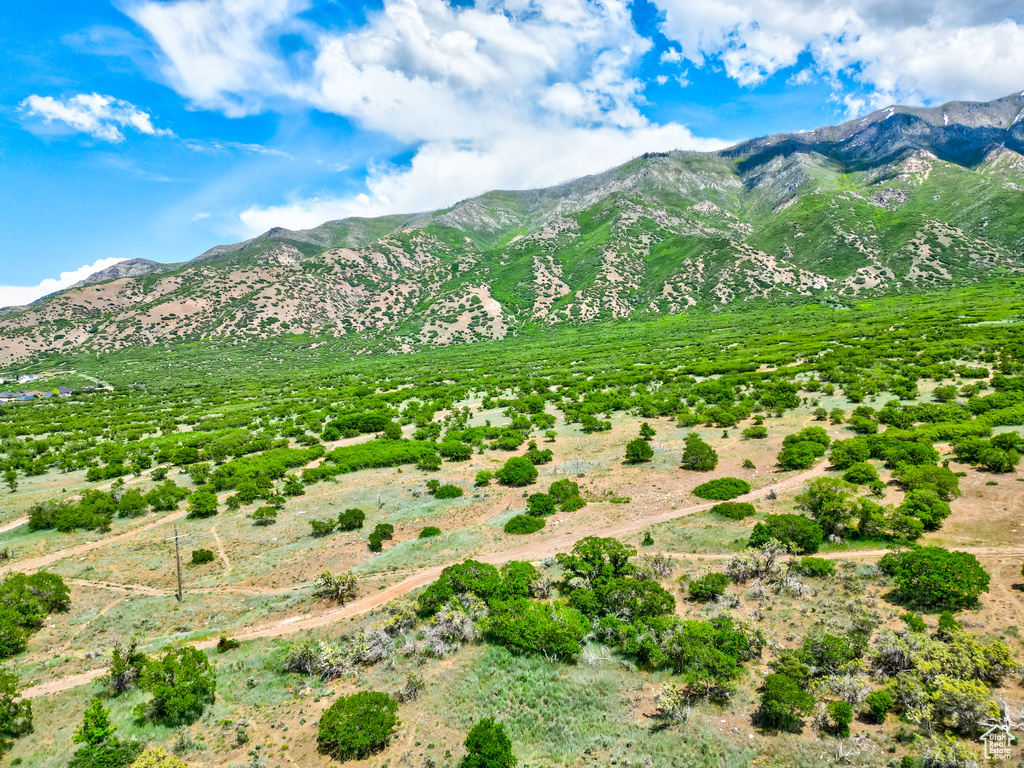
{"x":214,"y":146}
{"x":102,"y":117}
{"x":15,"y":295}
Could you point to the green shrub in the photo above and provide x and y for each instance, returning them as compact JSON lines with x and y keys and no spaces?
{"x":734,"y":510}
{"x":321,"y":527}
{"x":100,"y":747}
{"x":183,"y":682}
{"x":226,"y":644}
{"x":357,"y":726}
{"x":200,"y":556}
{"x":940,"y":480}
{"x":722,"y":488}
{"x":860,"y":473}
{"x":202,"y":504}
{"x":448,"y":491}
{"x":840,"y":715}
{"x":15,"y":712}
{"x":756,"y":432}
{"x":938,"y":579}
{"x":483,"y":477}
{"x":805,"y":534}
{"x":385,"y":530}
{"x":914,"y":622}
{"x":454,"y":450}
{"x":564,"y":489}
{"x":698,"y":455}
{"x":846,"y":453}
{"x":264,"y":516}
{"x":517,"y":472}
{"x":540,"y":504}
{"x":351,"y":519}
{"x":798,"y":455}
{"x":573,"y":503}
{"x":429,"y":532}
{"x":709,"y":587}
{"x":553,"y":629}
{"x":13,"y":636}
{"x":429,"y":462}
{"x":815,"y":567}
{"x":879,"y":704}
{"x":782,"y":703}
{"x":524,"y":524}
{"x":818,"y":435}
{"x":469,"y":577}
{"x":375,"y":542}
{"x":488,"y":746}
{"x":638,"y":451}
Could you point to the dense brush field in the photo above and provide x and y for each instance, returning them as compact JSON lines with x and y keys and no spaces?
{"x":782,"y":535}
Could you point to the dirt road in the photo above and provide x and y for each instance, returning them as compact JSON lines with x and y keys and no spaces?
{"x":531,"y":551}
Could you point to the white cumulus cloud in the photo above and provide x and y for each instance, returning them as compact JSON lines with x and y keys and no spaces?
{"x":16,"y":295}
{"x":910,"y":52}
{"x":500,"y":94}
{"x":102,"y":117}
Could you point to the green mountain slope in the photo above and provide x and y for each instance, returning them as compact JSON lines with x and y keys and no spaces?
{"x":900,"y":201}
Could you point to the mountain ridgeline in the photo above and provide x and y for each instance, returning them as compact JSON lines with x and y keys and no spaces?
{"x":902,"y":200}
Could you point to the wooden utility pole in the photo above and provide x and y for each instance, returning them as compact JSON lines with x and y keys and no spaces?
{"x":177,"y":554}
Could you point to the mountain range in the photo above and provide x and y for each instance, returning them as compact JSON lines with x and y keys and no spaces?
{"x":902,"y":200}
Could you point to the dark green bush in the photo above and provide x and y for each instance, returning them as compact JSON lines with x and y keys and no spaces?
{"x":573,"y":503}
{"x":799,"y":455}
{"x":264,"y":516}
{"x":638,"y":451}
{"x":879,"y":704}
{"x":698,"y":455}
{"x":722,"y":488}
{"x":200,"y":556}
{"x":798,"y":530}
{"x":840,"y":715}
{"x":709,"y":587}
{"x":734,"y":510}
{"x":351,"y":519}
{"x":321,"y":527}
{"x":938,"y":579}
{"x":553,"y":629}
{"x":540,"y":504}
{"x":488,"y":746}
{"x":429,"y":532}
{"x":357,"y":726}
{"x":517,"y":472}
{"x":183,"y":683}
{"x":469,"y":577}
{"x":524,"y":524}
{"x":815,"y":567}
{"x":783,"y":702}
{"x":914,"y":622}
{"x":448,"y":491}
{"x":860,"y":473}
{"x":564,"y":489}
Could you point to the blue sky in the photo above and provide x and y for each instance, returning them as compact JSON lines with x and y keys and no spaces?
{"x":157,"y":129}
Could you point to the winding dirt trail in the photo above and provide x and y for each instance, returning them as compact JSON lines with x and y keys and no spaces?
{"x":13,"y":524}
{"x":220,"y":550}
{"x":33,"y":564}
{"x":531,"y":551}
